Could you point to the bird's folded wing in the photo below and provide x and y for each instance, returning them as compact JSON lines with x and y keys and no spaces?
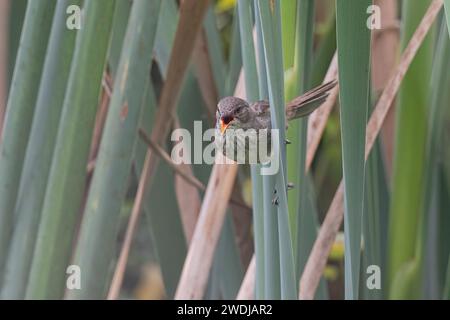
{"x":261,"y":107}
{"x":300,"y":106}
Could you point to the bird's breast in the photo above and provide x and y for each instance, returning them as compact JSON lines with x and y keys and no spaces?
{"x":245,"y":146}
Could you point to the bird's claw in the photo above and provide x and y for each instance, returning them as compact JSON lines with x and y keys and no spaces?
{"x":275,"y":201}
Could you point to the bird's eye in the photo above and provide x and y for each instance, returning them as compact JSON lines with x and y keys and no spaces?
{"x":238,"y":110}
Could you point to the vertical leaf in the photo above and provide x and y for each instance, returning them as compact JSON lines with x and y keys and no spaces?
{"x":235,"y":57}
{"x":17,"y":14}
{"x":447,"y":14}
{"x":375,"y":210}
{"x":271,"y":267}
{"x":353,"y":43}
{"x":228,"y":261}
{"x":324,"y":53}
{"x":271,"y":31}
{"x":269,"y":222}
{"x":216,"y":52}
{"x":409,"y":157}
{"x":303,"y":62}
{"x":67,"y":176}
{"x":39,"y":153}
{"x":288,"y":25}
{"x":252,"y":91}
{"x":4,"y":48}
{"x":20,"y":110}
{"x":435,"y":214}
{"x":99,"y":227}
{"x":119,"y":28}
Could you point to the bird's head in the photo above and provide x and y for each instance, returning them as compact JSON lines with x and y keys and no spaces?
{"x":232,"y":113}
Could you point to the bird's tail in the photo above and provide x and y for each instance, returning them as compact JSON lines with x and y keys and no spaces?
{"x":309,"y":101}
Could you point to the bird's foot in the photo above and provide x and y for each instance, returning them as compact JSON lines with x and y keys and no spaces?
{"x":275,"y":201}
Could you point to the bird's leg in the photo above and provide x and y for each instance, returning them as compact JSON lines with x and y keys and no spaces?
{"x":275,"y":199}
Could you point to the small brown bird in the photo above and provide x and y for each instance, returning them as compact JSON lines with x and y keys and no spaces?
{"x":235,"y":113}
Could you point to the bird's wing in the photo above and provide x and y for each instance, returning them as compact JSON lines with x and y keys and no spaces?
{"x":261,"y":107}
{"x":300,"y":106}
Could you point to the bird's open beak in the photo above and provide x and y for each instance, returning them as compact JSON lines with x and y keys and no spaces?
{"x":223,"y":126}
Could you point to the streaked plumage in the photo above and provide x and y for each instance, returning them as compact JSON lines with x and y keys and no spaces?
{"x":235,"y":113}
